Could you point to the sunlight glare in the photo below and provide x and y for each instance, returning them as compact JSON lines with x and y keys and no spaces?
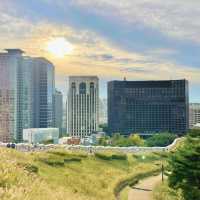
{"x":59,"y":47}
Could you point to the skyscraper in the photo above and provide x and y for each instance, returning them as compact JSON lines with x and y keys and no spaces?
{"x":147,"y":107}
{"x":194,"y":114}
{"x":43,"y":93}
{"x":83,"y":105}
{"x":103,"y":111}
{"x":58,"y":109}
{"x":26,"y":94}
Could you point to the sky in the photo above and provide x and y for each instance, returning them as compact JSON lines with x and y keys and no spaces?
{"x":113,"y":39}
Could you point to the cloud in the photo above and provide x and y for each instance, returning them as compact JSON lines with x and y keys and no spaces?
{"x":175,"y":18}
{"x":93,"y":54}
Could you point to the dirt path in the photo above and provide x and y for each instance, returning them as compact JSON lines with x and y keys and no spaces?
{"x":143,"y":190}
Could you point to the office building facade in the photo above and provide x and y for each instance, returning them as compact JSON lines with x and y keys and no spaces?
{"x":18,"y":97}
{"x":43,"y":93}
{"x":83,"y":105}
{"x":194,"y":116}
{"x":148,"y":107}
{"x":58,"y":109}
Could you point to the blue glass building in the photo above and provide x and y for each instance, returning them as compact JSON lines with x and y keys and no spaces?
{"x":148,"y":107}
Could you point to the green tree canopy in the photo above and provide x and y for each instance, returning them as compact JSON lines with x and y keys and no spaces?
{"x":184,"y":167}
{"x":161,"y":139}
{"x":136,"y":140}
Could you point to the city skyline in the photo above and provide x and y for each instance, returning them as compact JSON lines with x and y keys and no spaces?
{"x":139,"y":40}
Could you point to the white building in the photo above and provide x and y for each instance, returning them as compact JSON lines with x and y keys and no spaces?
{"x":83,"y":105}
{"x":40,"y":135}
{"x":194,"y":116}
{"x":196,"y":126}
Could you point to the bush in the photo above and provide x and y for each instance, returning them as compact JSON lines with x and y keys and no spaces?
{"x":52,"y":162}
{"x":28,"y":167}
{"x":160,"y":140}
{"x":103,"y":156}
{"x":72,"y":160}
{"x":110,"y":156}
{"x":119,"y":157}
{"x":32,"y":168}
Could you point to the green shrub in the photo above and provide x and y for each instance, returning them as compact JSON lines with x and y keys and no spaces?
{"x":72,"y":160}
{"x":59,"y":153}
{"x":103,"y":156}
{"x":32,"y":168}
{"x":28,"y":167}
{"x":52,"y":162}
{"x":80,"y":154}
{"x":161,"y":139}
{"x":119,"y":157}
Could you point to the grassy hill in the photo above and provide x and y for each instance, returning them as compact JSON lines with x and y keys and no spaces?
{"x":63,"y":175}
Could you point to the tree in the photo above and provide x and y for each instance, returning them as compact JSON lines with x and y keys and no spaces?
{"x":161,"y":139}
{"x":104,"y":127}
{"x":136,"y":140}
{"x":104,"y":141}
{"x":184,"y":166}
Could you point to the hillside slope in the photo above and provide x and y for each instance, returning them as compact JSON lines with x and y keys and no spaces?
{"x":62,"y":175}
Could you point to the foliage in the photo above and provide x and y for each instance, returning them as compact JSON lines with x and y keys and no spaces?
{"x":47,"y":141}
{"x":136,"y":140}
{"x":66,"y":160}
{"x":104,"y":141}
{"x":52,"y":161}
{"x":161,"y":139}
{"x":119,"y":156}
{"x":164,"y":192}
{"x":104,"y":127}
{"x":104,"y":156}
{"x":122,"y":141}
{"x":184,"y":167}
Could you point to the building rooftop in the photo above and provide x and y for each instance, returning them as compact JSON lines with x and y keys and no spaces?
{"x":15,"y":51}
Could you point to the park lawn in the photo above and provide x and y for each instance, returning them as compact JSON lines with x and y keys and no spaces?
{"x":45,"y":175}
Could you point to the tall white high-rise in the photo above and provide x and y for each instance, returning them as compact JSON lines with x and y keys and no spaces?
{"x":194,"y":116}
{"x":83,"y":105}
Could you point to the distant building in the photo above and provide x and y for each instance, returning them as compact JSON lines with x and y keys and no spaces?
{"x":26,"y":94}
{"x":147,"y":107}
{"x":41,"y":135}
{"x":83,"y":105}
{"x":194,"y":114}
{"x":196,"y":126}
{"x":103,"y":111}
{"x":58,"y":109}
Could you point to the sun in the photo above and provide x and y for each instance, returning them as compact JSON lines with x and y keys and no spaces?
{"x":59,"y":47}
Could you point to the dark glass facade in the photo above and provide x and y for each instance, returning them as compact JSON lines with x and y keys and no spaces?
{"x":148,"y":107}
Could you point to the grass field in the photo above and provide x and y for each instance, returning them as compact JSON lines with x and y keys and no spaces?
{"x":63,"y":175}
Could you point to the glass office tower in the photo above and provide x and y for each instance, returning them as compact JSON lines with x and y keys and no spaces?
{"x":26,"y":94}
{"x":148,"y":107}
{"x":43,"y":93}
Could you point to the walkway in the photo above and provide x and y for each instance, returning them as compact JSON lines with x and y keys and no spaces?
{"x":143,"y":190}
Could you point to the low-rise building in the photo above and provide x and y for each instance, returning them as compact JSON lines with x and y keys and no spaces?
{"x":41,"y":135}
{"x":194,"y":114}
